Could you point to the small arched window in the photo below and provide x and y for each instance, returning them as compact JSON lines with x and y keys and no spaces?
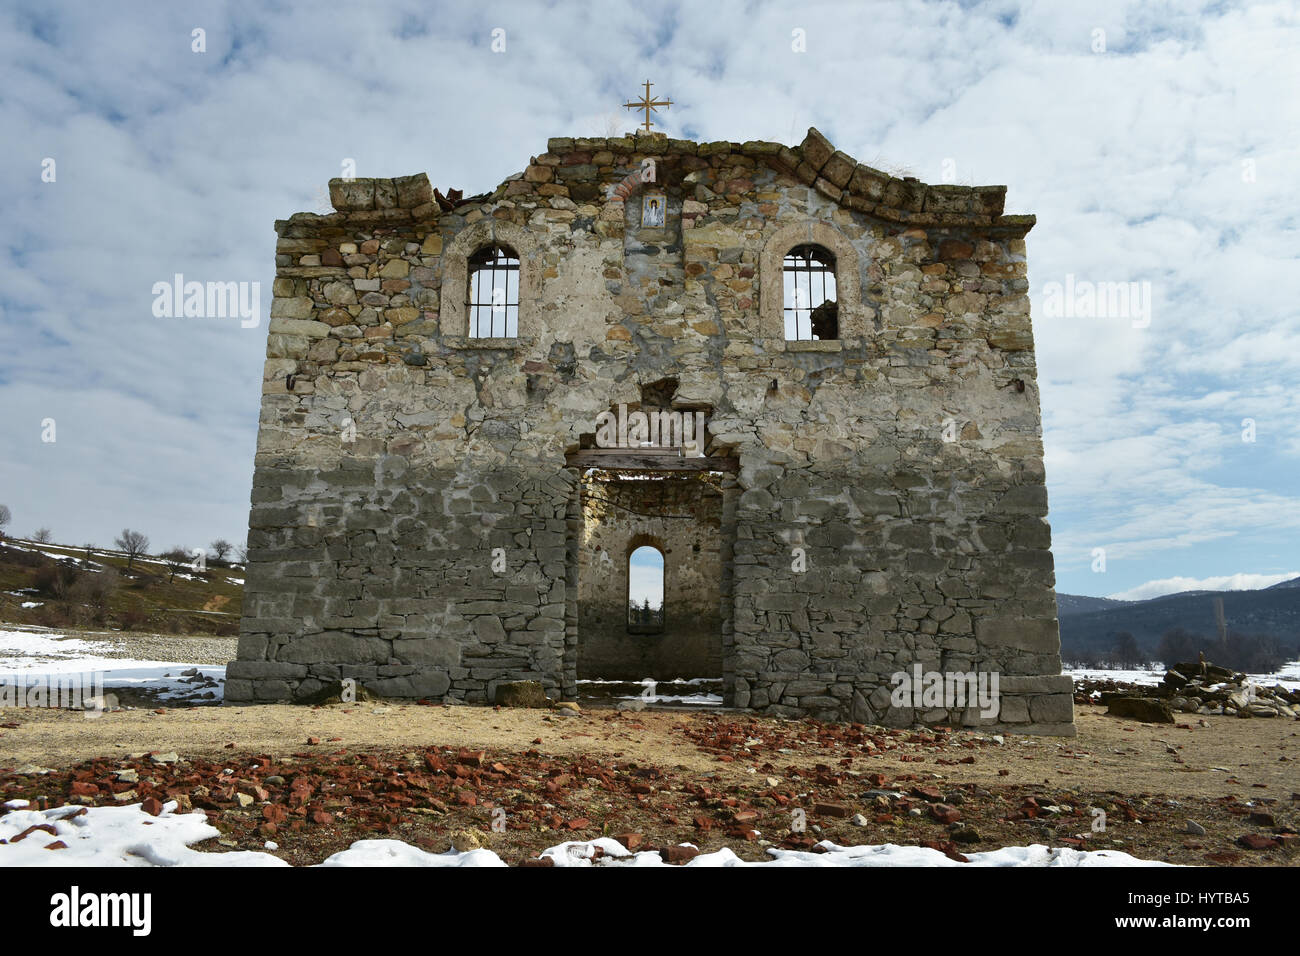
{"x":493,"y":303}
{"x":811,"y":310}
{"x":645,"y":590}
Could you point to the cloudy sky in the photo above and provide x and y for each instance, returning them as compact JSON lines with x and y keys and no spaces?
{"x":1158,"y":143}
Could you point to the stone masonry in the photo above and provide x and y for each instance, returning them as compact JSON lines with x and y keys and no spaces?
{"x":417,"y":520}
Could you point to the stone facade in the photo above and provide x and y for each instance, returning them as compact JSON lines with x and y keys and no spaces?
{"x":418,"y":520}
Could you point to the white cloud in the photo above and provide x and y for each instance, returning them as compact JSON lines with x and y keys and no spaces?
{"x":1242,"y":581}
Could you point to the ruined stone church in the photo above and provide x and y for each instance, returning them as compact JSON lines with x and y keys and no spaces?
{"x":806,"y":385}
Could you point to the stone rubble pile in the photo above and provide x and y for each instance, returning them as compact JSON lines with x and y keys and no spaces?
{"x":1197,"y":687}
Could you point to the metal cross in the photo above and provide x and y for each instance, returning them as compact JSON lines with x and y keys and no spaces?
{"x":648,"y":105}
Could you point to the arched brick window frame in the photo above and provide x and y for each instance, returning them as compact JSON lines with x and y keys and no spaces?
{"x":453,"y":314}
{"x":635,"y":544}
{"x":771,"y":277}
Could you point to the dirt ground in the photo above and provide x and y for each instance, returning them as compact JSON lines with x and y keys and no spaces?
{"x":434,"y":775}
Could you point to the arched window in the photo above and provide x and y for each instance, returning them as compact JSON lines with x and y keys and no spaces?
{"x":811,"y":310}
{"x":645,"y":590}
{"x":493,"y":303}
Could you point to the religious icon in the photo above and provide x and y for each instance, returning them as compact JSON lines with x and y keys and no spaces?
{"x":653,"y":209}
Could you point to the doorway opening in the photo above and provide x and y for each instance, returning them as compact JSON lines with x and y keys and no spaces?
{"x":650,"y":557}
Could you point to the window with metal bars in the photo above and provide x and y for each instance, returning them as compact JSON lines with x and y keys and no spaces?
{"x":811,"y":311}
{"x":493,"y":304}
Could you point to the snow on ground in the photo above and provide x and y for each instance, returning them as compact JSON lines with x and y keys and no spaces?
{"x":127,"y":836}
{"x":1152,"y":677}
{"x":27,"y":656}
{"x":601,"y":689}
{"x":116,"y":836}
{"x":689,"y":700}
{"x":59,"y":556}
{"x":1288,"y":676}
{"x":23,"y":650}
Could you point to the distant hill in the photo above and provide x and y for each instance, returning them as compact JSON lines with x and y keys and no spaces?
{"x":1082,"y":604}
{"x":1274,"y":611}
{"x":62,"y":587}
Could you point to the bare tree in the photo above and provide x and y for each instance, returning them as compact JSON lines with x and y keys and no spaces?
{"x":133,"y":543}
{"x":90,"y":551}
{"x":1125,"y":650}
{"x":42,"y":535}
{"x":5,"y":517}
{"x":221,"y":547}
{"x":241,"y":552}
{"x":96,"y":591}
{"x":175,"y":559}
{"x":57,"y":579}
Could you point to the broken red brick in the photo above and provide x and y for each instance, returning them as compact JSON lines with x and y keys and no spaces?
{"x":32,"y":829}
{"x":1256,"y":841}
{"x":630,"y":840}
{"x":944,"y":813}
{"x":679,"y":854}
{"x":472,"y":758}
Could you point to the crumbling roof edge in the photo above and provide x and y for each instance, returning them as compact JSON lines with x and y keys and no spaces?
{"x":815,"y":162}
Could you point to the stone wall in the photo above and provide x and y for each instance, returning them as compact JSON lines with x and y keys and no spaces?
{"x":416,"y":522}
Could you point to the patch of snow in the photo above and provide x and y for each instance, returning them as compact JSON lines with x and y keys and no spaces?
{"x":38,"y":648}
{"x":1288,"y":676}
{"x":693,"y":700}
{"x":117,"y":836}
{"x":27,"y":656}
{"x":397,"y":853}
{"x":33,"y":604}
{"x":1151,"y":678}
{"x":59,"y":556}
{"x":235,"y":580}
{"x":127,"y":836}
